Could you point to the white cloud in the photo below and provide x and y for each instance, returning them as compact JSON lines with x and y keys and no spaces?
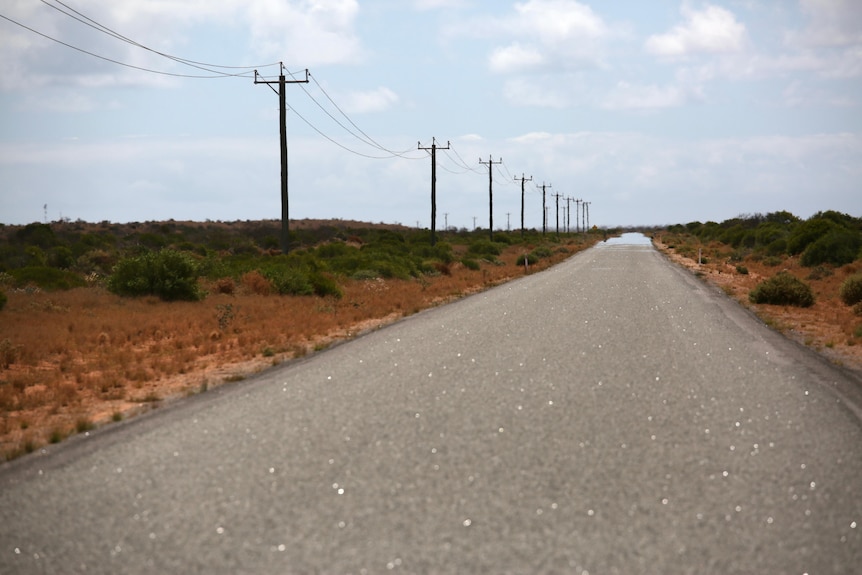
{"x":514,"y":58}
{"x":832,"y":22}
{"x":626,"y":96}
{"x":423,"y":5}
{"x":312,"y":32}
{"x":377,"y":100}
{"x":712,"y":30}
{"x":301,"y":32}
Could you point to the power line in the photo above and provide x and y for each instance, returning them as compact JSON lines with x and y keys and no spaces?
{"x":108,"y":31}
{"x":368,"y":139}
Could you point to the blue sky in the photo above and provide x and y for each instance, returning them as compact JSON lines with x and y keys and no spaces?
{"x":656,"y":112}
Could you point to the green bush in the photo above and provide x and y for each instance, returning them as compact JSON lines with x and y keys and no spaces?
{"x":485,"y":248}
{"x":783,"y":289}
{"x":531,"y":259}
{"x":168,"y":274}
{"x":3,"y":299}
{"x":47,"y":278}
{"x":289,"y":281}
{"x":542,"y":252}
{"x":851,"y":290}
{"x":740,"y":269}
{"x":324,"y":285}
{"x":471,"y":264}
{"x":838,"y":246}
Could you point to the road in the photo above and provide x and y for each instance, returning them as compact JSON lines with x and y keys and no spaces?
{"x":613,"y":414}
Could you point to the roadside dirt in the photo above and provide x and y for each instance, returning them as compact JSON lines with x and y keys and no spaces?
{"x":829,"y":326}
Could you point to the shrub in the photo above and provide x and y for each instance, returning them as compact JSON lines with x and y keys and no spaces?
{"x":851,"y":290}
{"x":471,"y":264}
{"x":256,"y":283}
{"x":289,"y":281}
{"x":783,"y":289}
{"x":47,"y":278}
{"x":531,"y":259}
{"x":485,"y":248}
{"x":324,"y":285}
{"x":742,"y":270}
{"x":542,"y":252}
{"x":365,"y":275}
{"x":838,"y":246}
{"x":3,"y":299}
{"x":168,"y":274}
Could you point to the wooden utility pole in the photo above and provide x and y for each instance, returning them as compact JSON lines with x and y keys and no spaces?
{"x":568,"y":213}
{"x":587,"y":206}
{"x":282,"y":113}
{"x":490,"y":163}
{"x":523,"y":179}
{"x":577,"y":211}
{"x":544,"y":208}
{"x":433,"y":149}
{"x":558,"y":214}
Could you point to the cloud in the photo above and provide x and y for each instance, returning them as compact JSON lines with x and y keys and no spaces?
{"x":711,"y":30}
{"x":377,"y":100}
{"x":312,"y":33}
{"x":627,"y":96}
{"x":309,"y":32}
{"x":514,"y":58}
{"x":423,"y":5}
{"x":831,"y":22}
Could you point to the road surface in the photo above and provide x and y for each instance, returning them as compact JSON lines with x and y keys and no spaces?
{"x":610,"y":415}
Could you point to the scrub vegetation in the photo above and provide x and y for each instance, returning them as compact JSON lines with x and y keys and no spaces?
{"x":101,"y":321}
{"x":800,"y":275}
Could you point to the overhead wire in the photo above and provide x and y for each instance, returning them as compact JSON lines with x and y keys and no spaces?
{"x":215,"y":71}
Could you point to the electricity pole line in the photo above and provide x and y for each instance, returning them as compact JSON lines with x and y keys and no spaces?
{"x":282,"y":113}
{"x":577,"y":211}
{"x":557,"y":196}
{"x":433,"y":149}
{"x":585,"y":206}
{"x":523,"y":179}
{"x":544,"y":208}
{"x":490,"y":163}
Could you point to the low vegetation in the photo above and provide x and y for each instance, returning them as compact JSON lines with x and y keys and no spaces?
{"x":783,"y":289}
{"x":150,"y":311}
{"x":802,"y":275}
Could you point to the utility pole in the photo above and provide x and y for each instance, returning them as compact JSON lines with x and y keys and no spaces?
{"x":558,"y":214}
{"x":577,"y":211}
{"x":508,"y":225}
{"x":584,"y":209}
{"x":474,"y":222}
{"x":490,"y":163}
{"x":587,"y":206}
{"x":446,"y":220}
{"x":544,"y":209}
{"x":568,"y":214}
{"x":523,"y":179}
{"x":433,"y":149}
{"x":282,"y":113}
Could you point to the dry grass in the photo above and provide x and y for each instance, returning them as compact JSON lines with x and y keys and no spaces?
{"x":829,"y":325}
{"x":72,"y":360}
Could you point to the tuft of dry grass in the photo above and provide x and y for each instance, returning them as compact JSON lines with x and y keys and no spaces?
{"x":73,"y":360}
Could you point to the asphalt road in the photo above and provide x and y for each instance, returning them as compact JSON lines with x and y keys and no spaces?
{"x":611,"y":415}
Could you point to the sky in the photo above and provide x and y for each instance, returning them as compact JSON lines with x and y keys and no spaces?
{"x":656,"y":113}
